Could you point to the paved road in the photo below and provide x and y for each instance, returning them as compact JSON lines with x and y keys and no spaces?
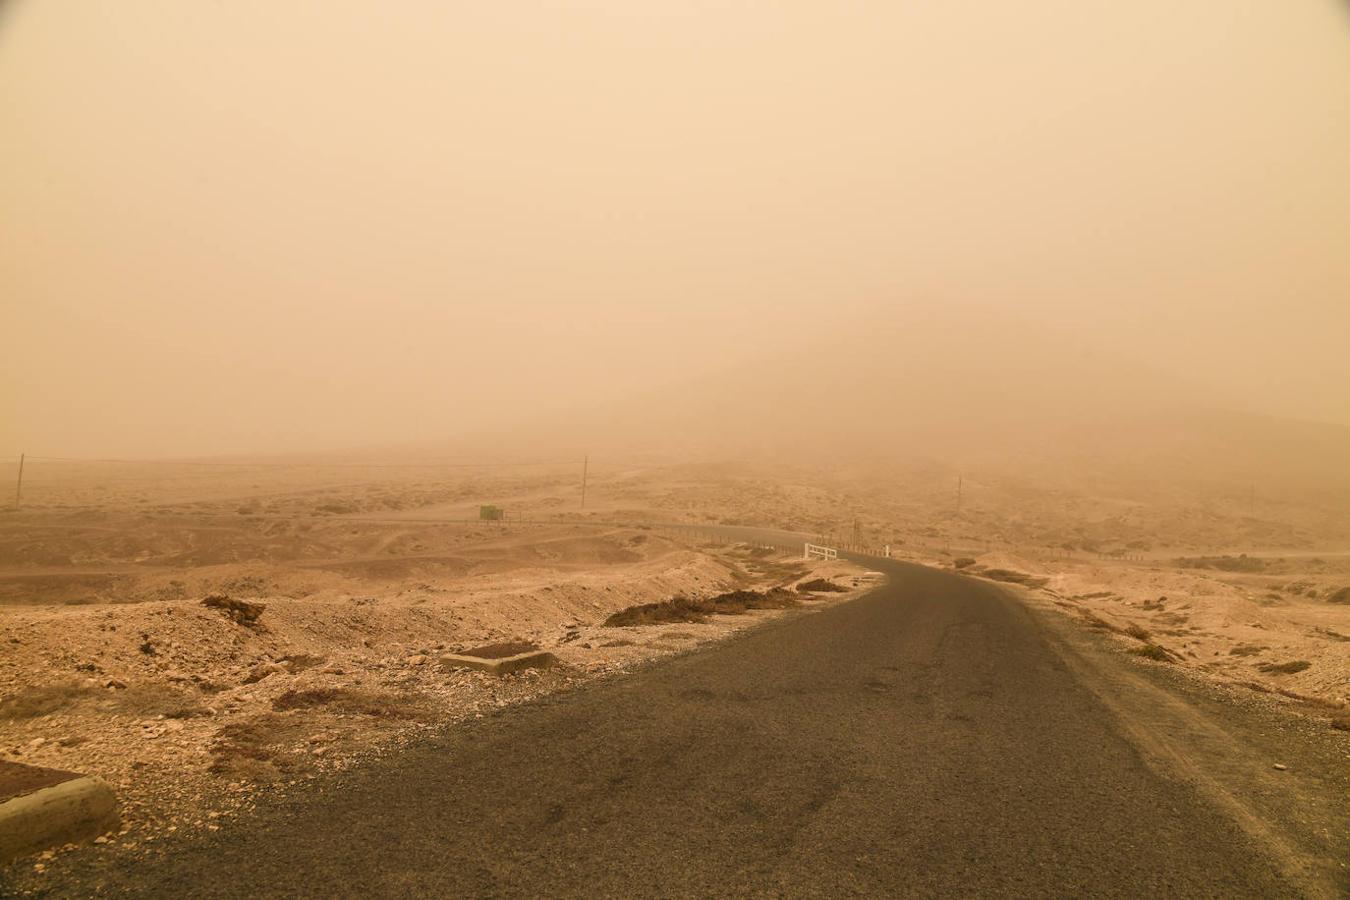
{"x":924,"y":740}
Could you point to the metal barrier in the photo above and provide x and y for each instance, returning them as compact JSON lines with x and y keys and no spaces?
{"x":819,"y":552}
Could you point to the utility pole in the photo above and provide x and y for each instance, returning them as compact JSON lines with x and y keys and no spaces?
{"x":958,"y":495}
{"x":18,"y":488}
{"x":585,"y":465}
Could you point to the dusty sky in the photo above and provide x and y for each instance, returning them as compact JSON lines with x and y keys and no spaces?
{"x":259,"y":226}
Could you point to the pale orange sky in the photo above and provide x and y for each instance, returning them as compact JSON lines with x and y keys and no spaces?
{"x":260,"y":226}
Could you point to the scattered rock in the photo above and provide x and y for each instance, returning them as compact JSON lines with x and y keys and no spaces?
{"x":261,"y":671}
{"x":299,"y":662}
{"x":242,"y":612}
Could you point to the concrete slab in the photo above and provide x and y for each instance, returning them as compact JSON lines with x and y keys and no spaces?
{"x":44,"y":808}
{"x":534,"y":659}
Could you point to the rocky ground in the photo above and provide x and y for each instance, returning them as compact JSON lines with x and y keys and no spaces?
{"x":1278,"y":626}
{"x":112,"y":664}
{"x":193,"y":709}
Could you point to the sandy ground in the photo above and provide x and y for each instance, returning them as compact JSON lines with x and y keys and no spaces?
{"x":1278,"y":626}
{"x":114,"y":667}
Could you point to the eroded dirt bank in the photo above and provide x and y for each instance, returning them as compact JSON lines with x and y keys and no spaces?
{"x":193,"y":711}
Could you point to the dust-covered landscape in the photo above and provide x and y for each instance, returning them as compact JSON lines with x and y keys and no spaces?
{"x":133,"y":651}
{"x":648,"y":450}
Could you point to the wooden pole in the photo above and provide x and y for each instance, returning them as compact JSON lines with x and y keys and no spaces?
{"x":18,"y":488}
{"x":585,"y":465}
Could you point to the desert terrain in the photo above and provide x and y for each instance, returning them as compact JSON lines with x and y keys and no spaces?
{"x":209,"y":637}
{"x":114,"y":666}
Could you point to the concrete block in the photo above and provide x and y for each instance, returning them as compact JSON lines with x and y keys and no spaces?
{"x":534,"y":659}
{"x":45,"y":808}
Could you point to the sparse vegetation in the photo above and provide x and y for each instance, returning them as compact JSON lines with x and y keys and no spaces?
{"x":963,"y":562}
{"x":1137,"y":632}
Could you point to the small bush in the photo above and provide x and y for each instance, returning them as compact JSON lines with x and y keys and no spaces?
{"x":1246,"y":650}
{"x":1341,"y":596}
{"x":1137,"y":632}
{"x":963,"y":562}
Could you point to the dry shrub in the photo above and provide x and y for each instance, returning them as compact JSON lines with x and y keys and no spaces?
{"x":1137,"y":632}
{"x":1246,"y":650}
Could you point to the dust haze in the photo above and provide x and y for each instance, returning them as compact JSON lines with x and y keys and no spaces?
{"x":257,"y":229}
{"x":372,"y":370}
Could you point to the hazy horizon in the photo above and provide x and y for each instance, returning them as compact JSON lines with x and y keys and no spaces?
{"x":258,"y":228}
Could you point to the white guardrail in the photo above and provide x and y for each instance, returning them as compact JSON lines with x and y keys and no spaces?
{"x":818,"y":552}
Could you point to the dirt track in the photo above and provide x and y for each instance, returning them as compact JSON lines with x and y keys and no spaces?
{"x":926,"y":739}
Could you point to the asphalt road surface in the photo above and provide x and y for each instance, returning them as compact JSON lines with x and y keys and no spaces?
{"x":924,"y":740}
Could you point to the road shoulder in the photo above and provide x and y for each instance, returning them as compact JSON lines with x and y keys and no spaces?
{"x":1281,"y":776}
